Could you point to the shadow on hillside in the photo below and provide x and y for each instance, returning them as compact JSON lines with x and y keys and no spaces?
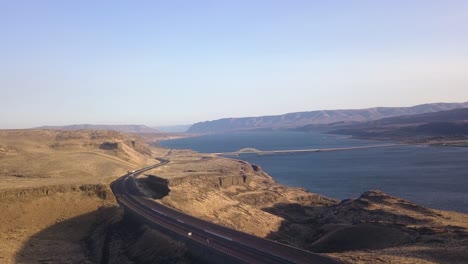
{"x":63,"y":242}
{"x":349,"y":226}
{"x":325,"y":229}
{"x":157,"y":187}
{"x":107,"y":235}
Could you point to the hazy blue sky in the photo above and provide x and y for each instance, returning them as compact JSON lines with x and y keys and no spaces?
{"x":176,"y":62}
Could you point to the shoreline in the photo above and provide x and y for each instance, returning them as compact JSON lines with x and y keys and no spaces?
{"x":380,"y":215}
{"x":461,"y":141}
{"x":342,"y":193}
{"x":286,"y":151}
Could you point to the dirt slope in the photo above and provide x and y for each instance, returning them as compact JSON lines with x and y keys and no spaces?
{"x":50,"y":177}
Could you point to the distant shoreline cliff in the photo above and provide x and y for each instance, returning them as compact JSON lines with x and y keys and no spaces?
{"x":321,"y":117}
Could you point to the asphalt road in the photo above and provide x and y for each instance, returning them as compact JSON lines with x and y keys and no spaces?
{"x":243,"y":247}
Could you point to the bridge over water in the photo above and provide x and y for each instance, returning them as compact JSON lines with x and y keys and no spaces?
{"x":270,"y":152}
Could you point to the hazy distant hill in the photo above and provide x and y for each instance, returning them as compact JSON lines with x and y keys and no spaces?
{"x":120,"y":128}
{"x":173,"y":129}
{"x":452,"y":123}
{"x":455,"y":115}
{"x":317,"y":117}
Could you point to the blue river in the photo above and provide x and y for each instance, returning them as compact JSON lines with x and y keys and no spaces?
{"x":436,"y":177}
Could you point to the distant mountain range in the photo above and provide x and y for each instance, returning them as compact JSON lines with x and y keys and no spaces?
{"x":456,"y":115}
{"x":119,"y":128}
{"x":452,"y":123}
{"x":321,"y":117}
{"x":173,"y":129}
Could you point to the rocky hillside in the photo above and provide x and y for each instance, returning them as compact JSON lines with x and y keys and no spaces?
{"x":373,"y":228}
{"x":316,"y":118}
{"x":376,"y":227}
{"x":51,"y":186}
{"x":43,"y":157}
{"x":221,"y":190}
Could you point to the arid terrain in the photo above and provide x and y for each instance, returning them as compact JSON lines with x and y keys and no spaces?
{"x":52,"y":184}
{"x":374,"y":228}
{"x":57,"y":207}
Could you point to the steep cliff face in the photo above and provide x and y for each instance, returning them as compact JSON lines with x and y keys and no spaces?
{"x":49,"y":223}
{"x":98,"y":190}
{"x":52,"y":186}
{"x":160,"y":187}
{"x":222,"y":175}
{"x":121,"y":238}
{"x":316,"y":118}
{"x":225,"y":191}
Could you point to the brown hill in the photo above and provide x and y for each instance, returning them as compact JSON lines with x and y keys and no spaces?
{"x":316,"y":118}
{"x":48,"y":177}
{"x":30,"y":157}
{"x":449,"y":125}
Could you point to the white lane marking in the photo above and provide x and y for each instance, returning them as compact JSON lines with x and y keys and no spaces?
{"x":218,"y":235}
{"x":157,"y":211}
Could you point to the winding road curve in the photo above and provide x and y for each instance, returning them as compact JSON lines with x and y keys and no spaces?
{"x":239,"y":246}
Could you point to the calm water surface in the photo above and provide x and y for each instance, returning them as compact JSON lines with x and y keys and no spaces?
{"x":433,"y":176}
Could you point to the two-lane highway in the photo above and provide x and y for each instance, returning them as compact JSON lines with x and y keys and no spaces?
{"x":242,"y":247}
